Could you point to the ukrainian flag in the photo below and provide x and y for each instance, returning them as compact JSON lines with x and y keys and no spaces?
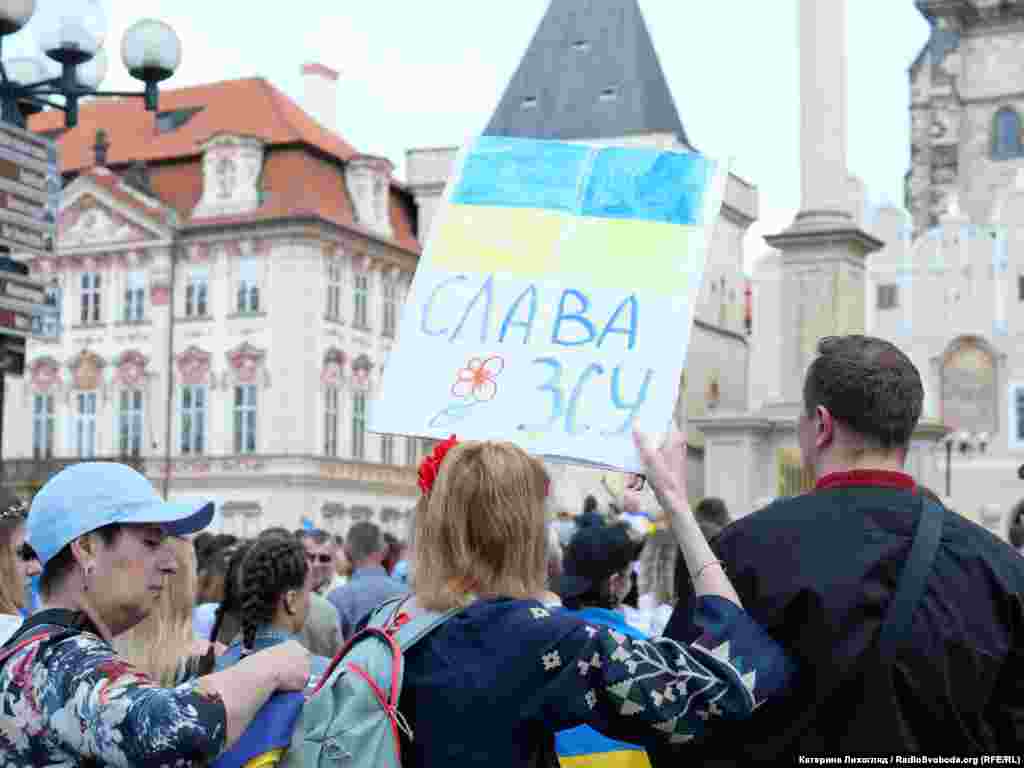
{"x":583,"y":747}
{"x":532,"y":209}
{"x":268,"y":736}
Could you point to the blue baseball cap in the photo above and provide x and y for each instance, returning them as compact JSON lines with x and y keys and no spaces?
{"x":92,"y":494}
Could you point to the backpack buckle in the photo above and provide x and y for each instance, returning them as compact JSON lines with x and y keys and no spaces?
{"x":400,"y":620}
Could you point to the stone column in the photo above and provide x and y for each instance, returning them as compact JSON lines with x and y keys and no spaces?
{"x":823,"y":177}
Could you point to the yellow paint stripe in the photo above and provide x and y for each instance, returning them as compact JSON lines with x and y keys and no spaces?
{"x":621,"y":759}
{"x":267,"y":759}
{"x":536,"y":244}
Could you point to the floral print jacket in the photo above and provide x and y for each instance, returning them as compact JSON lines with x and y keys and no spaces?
{"x":69,"y":700}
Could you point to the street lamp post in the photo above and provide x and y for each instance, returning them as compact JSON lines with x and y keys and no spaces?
{"x":71,"y":33}
{"x":967,"y":443}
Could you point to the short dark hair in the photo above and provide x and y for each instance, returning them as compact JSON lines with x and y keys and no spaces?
{"x":712,"y":509}
{"x":363,"y":540}
{"x":868,"y":384}
{"x":1017,"y":525}
{"x":61,"y":564}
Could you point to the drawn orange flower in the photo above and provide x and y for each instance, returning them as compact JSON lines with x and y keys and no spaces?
{"x":476,"y":380}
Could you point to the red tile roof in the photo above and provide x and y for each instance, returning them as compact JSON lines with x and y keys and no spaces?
{"x":301,"y":175}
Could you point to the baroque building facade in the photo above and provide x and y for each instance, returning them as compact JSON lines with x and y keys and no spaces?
{"x":225,"y":295}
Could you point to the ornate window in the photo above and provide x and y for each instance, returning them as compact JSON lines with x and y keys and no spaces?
{"x":888,"y":296}
{"x":193,"y":419}
{"x":360,"y":298}
{"x":134,"y":296}
{"x":196,"y":292}
{"x":43,"y":423}
{"x":130,"y":423}
{"x":245,"y":418}
{"x":90,"y":298}
{"x":46,"y":322}
{"x":390,"y":309}
{"x":248,"y":285}
{"x":358,"y":425}
{"x":333,"y":288}
{"x":1006,"y":134}
{"x":1016,"y":416}
{"x":331,"y":421}
{"x":85,"y":425}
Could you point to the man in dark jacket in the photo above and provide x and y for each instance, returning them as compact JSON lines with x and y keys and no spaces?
{"x":819,"y":570}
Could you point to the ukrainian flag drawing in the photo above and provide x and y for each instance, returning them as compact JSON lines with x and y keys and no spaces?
{"x":553,"y":303}
{"x":591,"y":216}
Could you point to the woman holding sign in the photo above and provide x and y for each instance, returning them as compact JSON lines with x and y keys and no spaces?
{"x":494,"y":682}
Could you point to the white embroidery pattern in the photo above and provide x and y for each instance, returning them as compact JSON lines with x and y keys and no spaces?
{"x":591,"y":698}
{"x":590,"y":630}
{"x":540,"y":613}
{"x":585,"y":666}
{"x":551,"y":661}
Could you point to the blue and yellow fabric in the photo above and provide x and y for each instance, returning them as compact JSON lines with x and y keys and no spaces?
{"x":583,"y":747}
{"x":268,"y":736}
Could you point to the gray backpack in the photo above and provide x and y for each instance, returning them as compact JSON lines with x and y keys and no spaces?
{"x":352,"y":717}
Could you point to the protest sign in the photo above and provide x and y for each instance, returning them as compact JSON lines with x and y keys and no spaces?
{"x":553,"y":303}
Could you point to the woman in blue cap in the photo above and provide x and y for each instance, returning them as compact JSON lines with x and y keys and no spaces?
{"x":100,"y":531}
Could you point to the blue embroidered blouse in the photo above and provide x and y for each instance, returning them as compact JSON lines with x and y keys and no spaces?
{"x":493,"y":683}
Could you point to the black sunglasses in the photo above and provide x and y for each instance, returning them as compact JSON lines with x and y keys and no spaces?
{"x":26,"y":554}
{"x":324,"y":559}
{"x":17,"y":510}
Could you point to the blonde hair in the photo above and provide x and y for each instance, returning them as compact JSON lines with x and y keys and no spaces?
{"x":158,"y":644}
{"x":482,"y":529}
{"x":12,"y":585}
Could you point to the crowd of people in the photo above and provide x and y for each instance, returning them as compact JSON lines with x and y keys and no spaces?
{"x":822,"y":624}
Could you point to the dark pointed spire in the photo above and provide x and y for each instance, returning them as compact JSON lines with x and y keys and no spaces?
{"x":590,"y":72}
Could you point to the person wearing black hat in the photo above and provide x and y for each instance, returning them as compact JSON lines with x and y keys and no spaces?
{"x":596,"y":570}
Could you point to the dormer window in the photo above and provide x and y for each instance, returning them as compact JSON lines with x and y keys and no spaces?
{"x":530,"y":102}
{"x":581,"y":46}
{"x":368,"y":180}
{"x":232,"y":167}
{"x":610,"y":94}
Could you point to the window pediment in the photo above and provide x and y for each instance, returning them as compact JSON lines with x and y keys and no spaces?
{"x":232,"y":168}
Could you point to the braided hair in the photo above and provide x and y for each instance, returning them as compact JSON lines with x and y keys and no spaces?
{"x":273,"y":565}
{"x":230,"y":605}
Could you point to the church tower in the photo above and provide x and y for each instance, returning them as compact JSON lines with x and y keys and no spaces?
{"x":967,"y":103}
{"x":591,"y":73}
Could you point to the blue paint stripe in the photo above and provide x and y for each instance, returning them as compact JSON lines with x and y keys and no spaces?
{"x":584,"y":740}
{"x":613,"y":183}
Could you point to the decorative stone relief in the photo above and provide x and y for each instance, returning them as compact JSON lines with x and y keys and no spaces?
{"x":969,"y":399}
{"x":247,"y":365}
{"x":232,"y":166}
{"x":368,"y":180}
{"x":194,"y":367}
{"x":130,"y":370}
{"x":98,"y":224}
{"x":333,"y":369}
{"x":87,"y":370}
{"x":362,"y":368}
{"x":45,"y":375}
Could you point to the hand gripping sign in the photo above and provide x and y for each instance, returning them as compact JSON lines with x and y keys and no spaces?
{"x":553,"y":304}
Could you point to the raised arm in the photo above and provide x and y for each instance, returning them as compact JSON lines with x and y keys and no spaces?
{"x":666,"y":469}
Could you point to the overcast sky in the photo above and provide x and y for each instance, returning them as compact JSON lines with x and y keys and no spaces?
{"x":418,"y":74}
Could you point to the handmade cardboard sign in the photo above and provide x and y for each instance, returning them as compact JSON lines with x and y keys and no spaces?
{"x":552,"y":306}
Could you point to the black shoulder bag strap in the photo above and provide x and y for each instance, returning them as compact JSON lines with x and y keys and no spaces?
{"x":898,"y":616}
